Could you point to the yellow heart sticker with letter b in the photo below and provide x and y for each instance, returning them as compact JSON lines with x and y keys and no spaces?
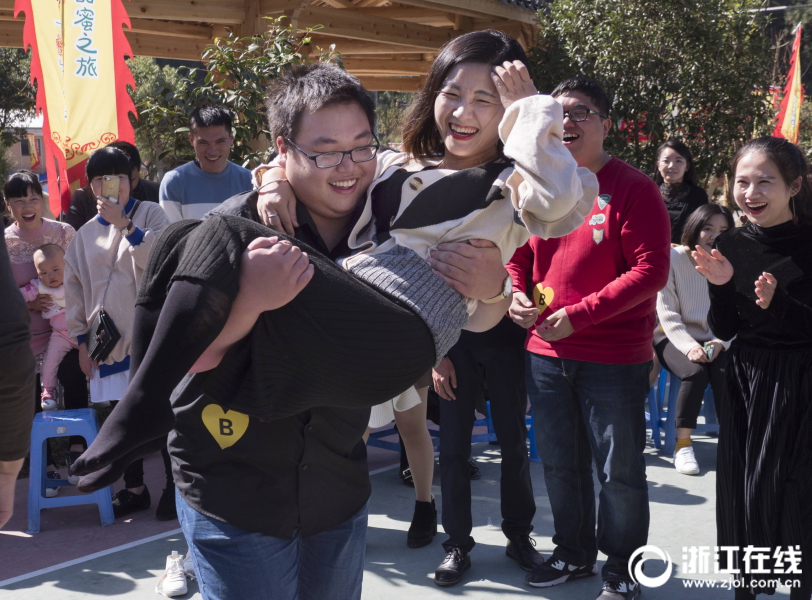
{"x":543,"y":296}
{"x":225,"y":426}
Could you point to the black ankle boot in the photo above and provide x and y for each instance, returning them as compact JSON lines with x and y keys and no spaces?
{"x":424,"y":525}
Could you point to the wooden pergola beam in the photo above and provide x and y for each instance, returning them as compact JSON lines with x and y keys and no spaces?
{"x":358,"y":26}
{"x":359,"y":66}
{"x":162,"y":46}
{"x":225,"y":12}
{"x":346,"y":47}
{"x":477,"y":8}
{"x":11,"y":34}
{"x":390,"y":84}
{"x":432,"y":18}
{"x":166,"y":28}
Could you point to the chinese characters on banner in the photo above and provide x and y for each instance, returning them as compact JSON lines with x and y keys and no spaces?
{"x":78,"y":49}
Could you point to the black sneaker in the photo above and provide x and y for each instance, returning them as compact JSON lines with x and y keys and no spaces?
{"x":556,"y":571}
{"x":167,"y":511}
{"x":125,"y":502}
{"x":451,"y":569}
{"x":522,"y":550}
{"x":619,"y":590}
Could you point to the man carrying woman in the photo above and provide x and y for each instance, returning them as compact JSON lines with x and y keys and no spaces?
{"x":303,"y":378}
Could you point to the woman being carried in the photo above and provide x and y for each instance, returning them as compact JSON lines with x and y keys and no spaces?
{"x":372,"y":332}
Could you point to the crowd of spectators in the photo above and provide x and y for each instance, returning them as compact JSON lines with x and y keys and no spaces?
{"x":651,"y":273}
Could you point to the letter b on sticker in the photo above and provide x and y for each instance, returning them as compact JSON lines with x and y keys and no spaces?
{"x":226,"y":427}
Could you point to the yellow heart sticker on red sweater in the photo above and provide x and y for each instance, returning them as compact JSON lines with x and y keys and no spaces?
{"x":543,"y":297}
{"x":225,"y":426}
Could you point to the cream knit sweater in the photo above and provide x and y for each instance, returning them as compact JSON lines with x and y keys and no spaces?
{"x":683,"y":305}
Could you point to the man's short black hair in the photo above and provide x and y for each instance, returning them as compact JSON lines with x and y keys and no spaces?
{"x":108,"y":161}
{"x":131,"y":152}
{"x":590,"y":89}
{"x":210,"y":115}
{"x":309,"y":88}
{"x":21,"y":184}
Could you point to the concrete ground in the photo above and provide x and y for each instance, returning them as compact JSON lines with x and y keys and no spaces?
{"x":682,"y":515}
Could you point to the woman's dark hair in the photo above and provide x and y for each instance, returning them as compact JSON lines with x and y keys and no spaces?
{"x":130,"y":150}
{"x":791,"y":164}
{"x":699,"y":218}
{"x":19,"y":184}
{"x":685,"y":152}
{"x":108,"y":161}
{"x":420,"y":136}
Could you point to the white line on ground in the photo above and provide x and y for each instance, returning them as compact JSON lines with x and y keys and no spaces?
{"x":82,"y":559}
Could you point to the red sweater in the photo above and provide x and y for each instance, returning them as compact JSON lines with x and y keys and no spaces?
{"x":606,"y":273}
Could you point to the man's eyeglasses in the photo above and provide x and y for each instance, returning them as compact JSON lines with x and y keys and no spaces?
{"x":327,"y":160}
{"x":577,"y":115}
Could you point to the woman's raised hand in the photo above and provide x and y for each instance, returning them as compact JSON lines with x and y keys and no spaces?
{"x":276,"y":204}
{"x":715,"y":267}
{"x":512,"y":81}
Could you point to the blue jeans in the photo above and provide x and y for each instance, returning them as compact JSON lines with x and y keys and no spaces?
{"x":584,"y":410}
{"x":231,"y":563}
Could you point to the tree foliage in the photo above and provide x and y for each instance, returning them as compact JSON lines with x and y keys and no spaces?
{"x":162,"y":98}
{"x":391,"y":108}
{"x":17,"y":100}
{"x":697,"y":70}
{"x":238,"y":71}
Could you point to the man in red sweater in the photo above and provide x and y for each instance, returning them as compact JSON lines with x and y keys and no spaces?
{"x":590,"y":315}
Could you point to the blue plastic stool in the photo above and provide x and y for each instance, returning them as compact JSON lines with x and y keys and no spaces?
{"x":60,"y":423}
{"x":662,"y":412}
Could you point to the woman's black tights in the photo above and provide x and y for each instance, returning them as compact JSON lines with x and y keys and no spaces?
{"x":168,"y":339}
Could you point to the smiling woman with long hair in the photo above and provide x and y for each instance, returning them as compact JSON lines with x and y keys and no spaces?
{"x":676,"y":177}
{"x":760,"y":279}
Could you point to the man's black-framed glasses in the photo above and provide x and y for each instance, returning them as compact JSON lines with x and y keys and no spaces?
{"x":327,"y":160}
{"x":578,"y":115}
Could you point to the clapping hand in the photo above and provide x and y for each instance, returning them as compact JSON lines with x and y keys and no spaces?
{"x":512,"y":81}
{"x":715,"y":267}
{"x":765,"y":289}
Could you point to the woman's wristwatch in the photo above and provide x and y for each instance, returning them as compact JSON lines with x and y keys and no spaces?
{"x":128,"y":228}
{"x":507,"y":288}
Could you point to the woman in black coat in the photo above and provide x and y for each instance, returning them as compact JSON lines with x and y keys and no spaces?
{"x":677,"y":180}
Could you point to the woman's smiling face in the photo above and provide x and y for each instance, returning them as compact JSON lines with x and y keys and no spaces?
{"x":760,"y":191}
{"x":467,"y":112}
{"x":27,"y":210}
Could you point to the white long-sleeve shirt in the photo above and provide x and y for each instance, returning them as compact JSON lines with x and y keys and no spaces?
{"x":683,"y":305}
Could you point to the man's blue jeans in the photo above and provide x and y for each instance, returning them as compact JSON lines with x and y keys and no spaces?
{"x":231,"y":563}
{"x":584,"y":410}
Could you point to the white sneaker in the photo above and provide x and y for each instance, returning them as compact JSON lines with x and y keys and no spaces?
{"x":173,"y":581}
{"x":48,"y":404}
{"x":685,"y":461}
{"x":188,"y":565}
